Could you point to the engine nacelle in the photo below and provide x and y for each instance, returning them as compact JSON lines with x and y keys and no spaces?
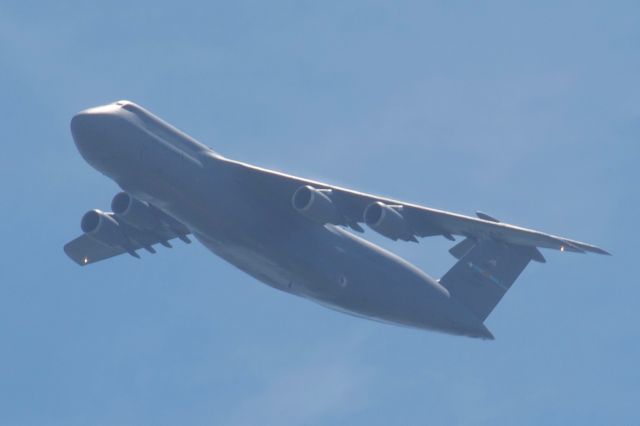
{"x":102,"y":227}
{"x":388,"y":221}
{"x":316,"y":204}
{"x":135,"y":212}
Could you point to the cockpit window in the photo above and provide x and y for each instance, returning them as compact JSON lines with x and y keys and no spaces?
{"x":129,"y":107}
{"x":126,"y":105}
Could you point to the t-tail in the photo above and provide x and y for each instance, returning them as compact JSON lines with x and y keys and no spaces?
{"x":486,"y":270}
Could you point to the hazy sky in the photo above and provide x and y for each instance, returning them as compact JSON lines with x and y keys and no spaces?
{"x":529,"y":112}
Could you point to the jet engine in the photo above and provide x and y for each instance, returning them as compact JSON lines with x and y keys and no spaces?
{"x":133,"y":211}
{"x":316,"y":204}
{"x":104,"y":228}
{"x":388,"y":221}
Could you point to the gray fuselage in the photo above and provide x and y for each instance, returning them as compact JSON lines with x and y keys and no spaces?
{"x":231,"y":209}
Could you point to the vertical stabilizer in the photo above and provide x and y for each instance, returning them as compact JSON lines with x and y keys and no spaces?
{"x":485,"y":272}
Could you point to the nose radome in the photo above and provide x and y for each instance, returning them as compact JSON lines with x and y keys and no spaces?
{"x":84,"y":129}
{"x":80,"y":123}
{"x":91,"y":132}
{"x":86,"y":125}
{"x":102,"y":137}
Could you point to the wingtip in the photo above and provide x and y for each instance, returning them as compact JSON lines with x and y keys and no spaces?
{"x":596,"y":250}
{"x":78,"y":260}
{"x":580,"y":247}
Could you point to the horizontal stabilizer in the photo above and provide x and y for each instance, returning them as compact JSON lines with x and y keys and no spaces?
{"x":463,"y":247}
{"x":536,"y":256}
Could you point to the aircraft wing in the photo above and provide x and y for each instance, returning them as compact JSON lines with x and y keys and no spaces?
{"x":427,"y":222}
{"x":86,"y":249}
{"x":421,"y":221}
{"x":135,"y":226}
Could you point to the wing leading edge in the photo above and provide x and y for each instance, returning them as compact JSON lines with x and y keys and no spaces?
{"x":419,"y":221}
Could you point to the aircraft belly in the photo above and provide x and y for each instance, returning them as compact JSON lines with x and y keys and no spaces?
{"x":336,"y":269}
{"x":349,"y":274}
{"x":250,"y":261}
{"x":287,"y":251}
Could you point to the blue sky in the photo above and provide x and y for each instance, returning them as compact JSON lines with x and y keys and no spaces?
{"x":529,"y":112}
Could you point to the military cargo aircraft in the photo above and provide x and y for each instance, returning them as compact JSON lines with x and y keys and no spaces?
{"x":293,"y":234}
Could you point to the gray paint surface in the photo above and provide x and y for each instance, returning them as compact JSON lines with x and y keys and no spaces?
{"x":176,"y":186}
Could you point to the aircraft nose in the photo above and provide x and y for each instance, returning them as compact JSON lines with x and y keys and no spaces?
{"x":89,"y":129}
{"x":83,"y":127}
